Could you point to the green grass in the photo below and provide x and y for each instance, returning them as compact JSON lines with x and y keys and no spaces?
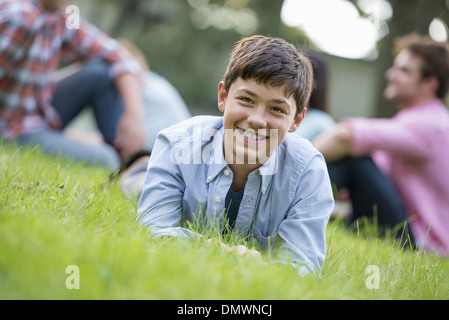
{"x":54,"y":214}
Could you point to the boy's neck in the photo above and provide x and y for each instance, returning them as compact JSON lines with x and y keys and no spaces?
{"x":240,"y":173}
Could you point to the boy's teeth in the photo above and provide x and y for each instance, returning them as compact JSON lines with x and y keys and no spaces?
{"x":252,"y":135}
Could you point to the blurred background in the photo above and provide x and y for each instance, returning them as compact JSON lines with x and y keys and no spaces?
{"x":189,"y":41}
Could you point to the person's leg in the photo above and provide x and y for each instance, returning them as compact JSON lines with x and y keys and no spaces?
{"x":372,"y":192}
{"x":55,"y":142}
{"x":90,"y":86}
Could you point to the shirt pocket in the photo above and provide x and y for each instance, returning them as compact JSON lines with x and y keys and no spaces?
{"x":265,"y":242}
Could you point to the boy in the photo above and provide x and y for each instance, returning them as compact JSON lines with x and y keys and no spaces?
{"x":243,"y":171}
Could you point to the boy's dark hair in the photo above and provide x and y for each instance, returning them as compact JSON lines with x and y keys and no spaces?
{"x":272,"y":61}
{"x":435,"y":57}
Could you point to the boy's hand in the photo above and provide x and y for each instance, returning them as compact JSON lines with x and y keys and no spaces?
{"x":240,"y":249}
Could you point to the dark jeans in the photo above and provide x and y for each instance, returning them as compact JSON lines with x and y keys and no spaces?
{"x":91,"y":86}
{"x":372,"y":193}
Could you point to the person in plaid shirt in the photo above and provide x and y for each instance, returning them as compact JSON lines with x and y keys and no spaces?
{"x":34,"y":39}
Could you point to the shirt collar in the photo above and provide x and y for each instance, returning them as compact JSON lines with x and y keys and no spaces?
{"x":218,"y":163}
{"x":269,"y":168}
{"x":217,"y":160}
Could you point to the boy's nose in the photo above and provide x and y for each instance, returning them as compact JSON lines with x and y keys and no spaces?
{"x":257,"y":118}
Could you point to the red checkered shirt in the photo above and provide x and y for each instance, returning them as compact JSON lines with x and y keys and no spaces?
{"x":32,"y":43}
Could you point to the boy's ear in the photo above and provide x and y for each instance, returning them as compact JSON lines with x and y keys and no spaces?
{"x":222,"y":94}
{"x":297,"y":121}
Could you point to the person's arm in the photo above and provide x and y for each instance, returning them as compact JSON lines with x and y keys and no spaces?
{"x":334,"y":143}
{"x":130,"y":132}
{"x":363,"y":136}
{"x":87,"y":42}
{"x":160,"y":205}
{"x":16,"y":38}
{"x":17,"y":35}
{"x":303,"y":231}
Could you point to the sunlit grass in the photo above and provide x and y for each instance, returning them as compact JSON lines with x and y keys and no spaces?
{"x":54,"y":214}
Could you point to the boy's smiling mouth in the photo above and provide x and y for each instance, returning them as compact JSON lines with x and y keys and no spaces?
{"x":252,"y":135}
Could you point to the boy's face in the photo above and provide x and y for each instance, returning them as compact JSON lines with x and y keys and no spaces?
{"x":257,"y":118}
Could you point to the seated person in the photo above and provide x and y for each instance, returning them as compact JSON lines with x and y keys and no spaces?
{"x":34,"y":111}
{"x":397,"y":169}
{"x":163,"y":106}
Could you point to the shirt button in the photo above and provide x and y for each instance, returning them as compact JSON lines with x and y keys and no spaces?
{"x":226,"y":172}
{"x":264,"y":188}
{"x":217,"y":199}
{"x":209,"y":178}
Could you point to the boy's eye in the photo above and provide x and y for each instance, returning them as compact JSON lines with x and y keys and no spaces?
{"x":278,"y":110}
{"x":245,"y":99}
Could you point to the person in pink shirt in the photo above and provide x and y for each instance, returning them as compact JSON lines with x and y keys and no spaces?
{"x":397,"y":169}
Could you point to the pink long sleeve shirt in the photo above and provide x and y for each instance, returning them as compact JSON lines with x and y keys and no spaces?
{"x":412,"y":148}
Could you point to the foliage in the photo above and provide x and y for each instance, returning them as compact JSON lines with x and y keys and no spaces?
{"x":55,"y":214}
{"x":191,"y":56}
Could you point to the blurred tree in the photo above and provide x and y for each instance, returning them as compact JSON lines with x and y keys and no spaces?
{"x":189,"y":41}
{"x":269,"y":16}
{"x":136,"y":10}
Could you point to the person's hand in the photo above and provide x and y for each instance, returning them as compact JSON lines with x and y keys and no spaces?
{"x":240,"y":250}
{"x":243,"y":250}
{"x":130,"y":136}
{"x":55,"y":122}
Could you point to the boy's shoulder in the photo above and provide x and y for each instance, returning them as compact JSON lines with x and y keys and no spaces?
{"x":295,"y":144}
{"x":298,"y":151}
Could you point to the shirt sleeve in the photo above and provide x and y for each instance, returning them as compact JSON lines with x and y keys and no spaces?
{"x":303,"y":231}
{"x":87,"y":41}
{"x":15,"y":40}
{"x":160,"y":205}
{"x":395,"y":136}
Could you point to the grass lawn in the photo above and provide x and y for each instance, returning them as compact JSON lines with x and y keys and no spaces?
{"x":62,"y":226}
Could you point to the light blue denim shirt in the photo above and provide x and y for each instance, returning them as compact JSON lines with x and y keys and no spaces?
{"x":286,"y":201}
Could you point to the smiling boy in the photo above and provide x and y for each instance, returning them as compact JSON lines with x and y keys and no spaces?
{"x":254,"y":179}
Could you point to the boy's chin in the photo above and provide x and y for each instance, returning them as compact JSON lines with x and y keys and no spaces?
{"x":249,"y":156}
